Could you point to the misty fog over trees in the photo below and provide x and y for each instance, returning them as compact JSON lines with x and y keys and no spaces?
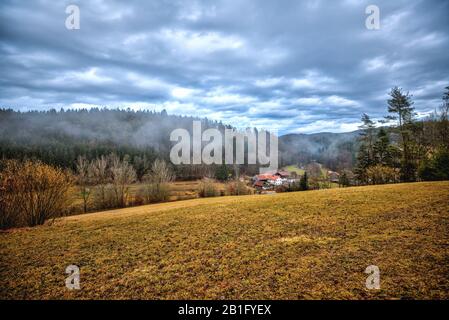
{"x":400,"y":142}
{"x":60,"y":137}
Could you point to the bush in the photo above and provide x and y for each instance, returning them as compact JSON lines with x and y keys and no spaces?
{"x":137,"y":200}
{"x":9,"y":210}
{"x":281,"y":189}
{"x":296,"y":186}
{"x":208,"y":189}
{"x":112,"y":177}
{"x":344,"y":180}
{"x":155,"y":192}
{"x":436,"y":168}
{"x":291,"y":187}
{"x":157,"y":188}
{"x":31,"y":193}
{"x":105,"y":197}
{"x":222,"y":173}
{"x":123,"y":174}
{"x":380,"y":174}
{"x":238,"y":188}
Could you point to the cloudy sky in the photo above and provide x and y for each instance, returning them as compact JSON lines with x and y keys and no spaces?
{"x":295,"y":66}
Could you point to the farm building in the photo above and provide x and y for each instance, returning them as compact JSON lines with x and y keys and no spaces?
{"x":271,"y":180}
{"x":333,"y":176}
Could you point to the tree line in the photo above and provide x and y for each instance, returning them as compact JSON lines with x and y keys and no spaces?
{"x":420,"y":150}
{"x":108,"y":179}
{"x":32,"y":192}
{"x":58,"y":138}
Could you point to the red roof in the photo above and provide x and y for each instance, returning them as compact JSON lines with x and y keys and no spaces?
{"x":266,"y":177}
{"x":259,"y":184}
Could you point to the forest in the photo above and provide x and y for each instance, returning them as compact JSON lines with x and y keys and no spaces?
{"x":420,"y":150}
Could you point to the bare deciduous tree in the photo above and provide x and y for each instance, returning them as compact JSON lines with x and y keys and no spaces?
{"x":100,"y":176}
{"x":156,"y":187}
{"x":122,"y":174}
{"x":160,"y":172}
{"x":84,"y":179}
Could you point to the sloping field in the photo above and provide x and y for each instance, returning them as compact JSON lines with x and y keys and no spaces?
{"x":305,"y":245}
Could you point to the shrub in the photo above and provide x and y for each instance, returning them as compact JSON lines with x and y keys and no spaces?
{"x":123,"y":174}
{"x":138,"y":200}
{"x":105,"y":197}
{"x":237,"y":188}
{"x":222,"y":173}
{"x":157,"y":188}
{"x":112,"y":177}
{"x":9,"y":210}
{"x":84,"y":180}
{"x":436,"y":168}
{"x":296,"y":186}
{"x":344,"y":180}
{"x":380,"y":174}
{"x":31,"y":193}
{"x":291,"y":187}
{"x":281,"y":189}
{"x":100,"y":177}
{"x":208,"y":189}
{"x":155,"y":192}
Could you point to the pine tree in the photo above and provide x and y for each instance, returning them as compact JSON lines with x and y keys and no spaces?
{"x":381,"y":149}
{"x":222,"y":173}
{"x":363,"y":163}
{"x":444,"y":122}
{"x":304,"y":183}
{"x":401,"y":110}
{"x":367,"y":136}
{"x":365,"y":155}
{"x":343,"y":180}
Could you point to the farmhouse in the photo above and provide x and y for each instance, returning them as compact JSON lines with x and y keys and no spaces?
{"x":333,"y":176}
{"x":283,"y":174}
{"x":271,"y":180}
{"x":260,"y":184}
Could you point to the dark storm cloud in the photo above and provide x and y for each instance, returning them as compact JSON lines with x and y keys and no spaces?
{"x":296,"y":66}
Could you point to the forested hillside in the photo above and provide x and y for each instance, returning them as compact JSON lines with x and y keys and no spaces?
{"x":59,"y":137}
{"x":401,"y":147}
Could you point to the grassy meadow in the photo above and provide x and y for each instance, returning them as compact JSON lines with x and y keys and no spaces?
{"x":293,"y":168}
{"x":303,"y":245}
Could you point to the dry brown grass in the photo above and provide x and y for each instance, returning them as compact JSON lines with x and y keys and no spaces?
{"x":305,"y":245}
{"x":179,"y":190}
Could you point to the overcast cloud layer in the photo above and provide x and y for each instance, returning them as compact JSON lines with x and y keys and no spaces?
{"x":295,"y":66}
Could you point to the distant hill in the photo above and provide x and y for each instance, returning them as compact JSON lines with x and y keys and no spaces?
{"x":334,"y":150}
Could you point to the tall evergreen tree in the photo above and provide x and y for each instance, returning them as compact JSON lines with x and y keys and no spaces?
{"x":222,"y":173}
{"x":367,"y":136}
{"x":365,"y":155}
{"x":304,"y":182}
{"x":363,"y":163}
{"x":401,"y":110}
{"x":382,"y":148}
{"x":444,"y":122}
